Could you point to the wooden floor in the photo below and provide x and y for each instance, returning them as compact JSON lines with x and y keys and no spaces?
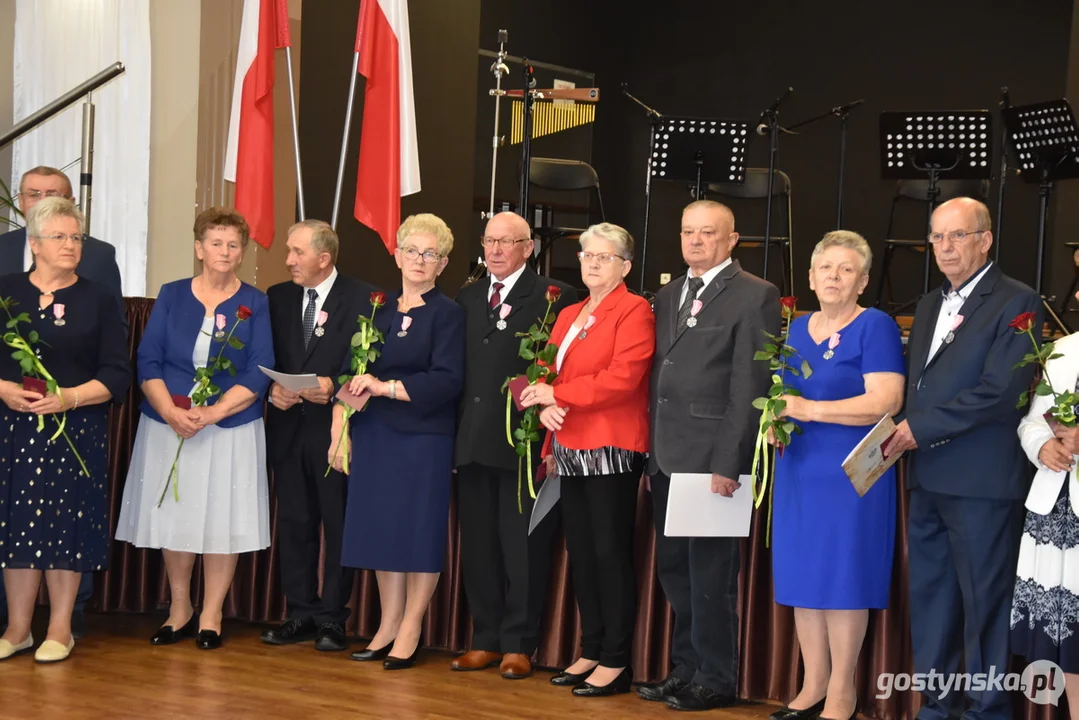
{"x":115,"y":673}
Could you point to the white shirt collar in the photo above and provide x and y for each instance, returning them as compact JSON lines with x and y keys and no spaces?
{"x":324,"y":287}
{"x":964,"y":290}
{"x":710,"y":275}
{"x":507,"y":284}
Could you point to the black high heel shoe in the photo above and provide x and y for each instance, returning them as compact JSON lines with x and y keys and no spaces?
{"x":565,"y":679}
{"x":808,"y":713}
{"x":368,"y":654}
{"x":167,"y":636}
{"x":208,"y":640}
{"x":393,"y":663}
{"x":618,"y":686}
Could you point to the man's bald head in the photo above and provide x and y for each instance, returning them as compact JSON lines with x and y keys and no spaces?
{"x":507,"y":244}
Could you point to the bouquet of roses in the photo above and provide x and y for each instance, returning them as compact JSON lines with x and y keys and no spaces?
{"x":1063,"y":403}
{"x":31,"y":366}
{"x":778,"y":354}
{"x":536,"y":348}
{"x":363,"y":352}
{"x":205,"y":388}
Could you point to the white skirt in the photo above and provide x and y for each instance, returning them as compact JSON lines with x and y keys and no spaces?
{"x":224,"y":505}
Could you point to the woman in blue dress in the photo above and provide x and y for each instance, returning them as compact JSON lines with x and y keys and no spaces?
{"x":397,"y":513}
{"x":832,"y":550}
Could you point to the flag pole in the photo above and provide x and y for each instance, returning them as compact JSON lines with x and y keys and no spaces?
{"x":344,"y":139}
{"x":295,"y":131}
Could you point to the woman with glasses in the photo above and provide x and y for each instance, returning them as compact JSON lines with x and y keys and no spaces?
{"x":401,"y":445}
{"x":597,"y":412}
{"x":54,"y":513}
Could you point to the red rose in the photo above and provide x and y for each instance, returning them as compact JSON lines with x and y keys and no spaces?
{"x":553,"y":293}
{"x":243,"y":312}
{"x":1024,"y":322}
{"x":788,"y":303}
{"x":378,"y":299}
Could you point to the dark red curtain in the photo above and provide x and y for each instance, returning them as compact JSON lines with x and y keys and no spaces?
{"x":770,"y":665}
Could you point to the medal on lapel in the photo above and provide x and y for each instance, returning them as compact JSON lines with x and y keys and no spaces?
{"x":406,"y":321}
{"x":220,"y":320}
{"x":833,"y":343}
{"x":692,"y":321}
{"x":951,"y":333}
{"x":322,"y":318}
{"x":503,"y":313}
{"x":58,"y":313}
{"x":588,"y":323}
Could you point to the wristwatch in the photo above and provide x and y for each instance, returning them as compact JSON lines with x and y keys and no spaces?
{"x":393,"y":389}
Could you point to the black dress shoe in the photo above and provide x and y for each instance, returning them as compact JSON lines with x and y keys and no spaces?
{"x":208,"y":640}
{"x":565,"y":679}
{"x":167,"y":636}
{"x":331,"y":638}
{"x":392,"y":663}
{"x":78,"y":624}
{"x":808,"y":713}
{"x":698,"y":697}
{"x":618,"y":686}
{"x":291,"y":631}
{"x":368,"y":654}
{"x":853,"y":715}
{"x":662,"y":690}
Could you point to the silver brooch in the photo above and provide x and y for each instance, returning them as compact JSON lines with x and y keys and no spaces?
{"x":692,"y":322}
{"x":319,"y":331}
{"x":501,"y":324}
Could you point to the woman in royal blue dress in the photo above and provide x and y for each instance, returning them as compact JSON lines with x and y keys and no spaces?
{"x":397,"y":513}
{"x":832,"y":550}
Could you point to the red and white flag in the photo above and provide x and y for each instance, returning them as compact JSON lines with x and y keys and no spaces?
{"x":250,"y":149}
{"x":389,"y":166}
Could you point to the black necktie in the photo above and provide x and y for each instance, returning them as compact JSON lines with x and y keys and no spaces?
{"x":309,"y":316}
{"x":695,"y":285}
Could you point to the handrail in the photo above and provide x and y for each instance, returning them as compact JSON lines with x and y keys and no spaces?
{"x":60,"y":104}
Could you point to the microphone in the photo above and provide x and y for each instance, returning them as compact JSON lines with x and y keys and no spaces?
{"x":847,"y":108}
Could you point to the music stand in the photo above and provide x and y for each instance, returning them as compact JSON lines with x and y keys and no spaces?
{"x":1045,"y":140}
{"x":935,"y":145}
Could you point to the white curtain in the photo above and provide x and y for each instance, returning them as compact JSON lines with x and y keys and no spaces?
{"x":59,"y":44}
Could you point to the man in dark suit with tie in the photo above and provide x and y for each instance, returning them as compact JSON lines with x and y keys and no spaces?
{"x":313,"y":318}
{"x":98,"y":264}
{"x":505,"y":569}
{"x":709,"y":323}
{"x":967,"y":474}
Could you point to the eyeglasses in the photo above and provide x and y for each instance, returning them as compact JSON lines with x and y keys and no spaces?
{"x":38,"y":194}
{"x":504,"y":243}
{"x":60,"y":238}
{"x":605,"y":258}
{"x":412,"y":253}
{"x":956,"y":237}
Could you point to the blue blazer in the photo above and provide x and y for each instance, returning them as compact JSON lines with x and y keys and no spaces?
{"x":961,"y":407}
{"x":429,"y":361}
{"x":168,"y":343}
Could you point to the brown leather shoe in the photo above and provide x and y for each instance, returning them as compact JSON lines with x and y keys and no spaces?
{"x":476,"y":660}
{"x":515,"y":666}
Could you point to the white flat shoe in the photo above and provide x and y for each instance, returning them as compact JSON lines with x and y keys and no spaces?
{"x":52,"y":651}
{"x":8,"y":650}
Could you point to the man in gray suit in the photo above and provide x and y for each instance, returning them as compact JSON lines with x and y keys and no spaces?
{"x":709,"y":323}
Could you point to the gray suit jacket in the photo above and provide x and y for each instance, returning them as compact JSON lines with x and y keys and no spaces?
{"x":704,"y":381}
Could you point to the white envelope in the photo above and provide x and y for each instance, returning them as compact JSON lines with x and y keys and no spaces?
{"x":693,"y":510}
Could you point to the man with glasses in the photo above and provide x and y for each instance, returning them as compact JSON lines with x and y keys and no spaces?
{"x":967,"y":474}
{"x":505,"y":569}
{"x":98,"y":263}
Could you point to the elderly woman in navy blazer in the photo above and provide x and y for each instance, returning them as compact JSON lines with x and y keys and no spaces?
{"x":397,"y":516}
{"x":222,"y":505}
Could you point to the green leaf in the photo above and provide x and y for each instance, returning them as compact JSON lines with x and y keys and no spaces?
{"x":533,"y":373}
{"x":12,"y":323}
{"x":806,"y":370}
{"x":760,"y":403}
{"x":33,"y":337}
{"x":1023,"y":397}
{"x":371,"y":355}
{"x":779,"y":406}
{"x":769,"y":347}
{"x":235,"y":343}
{"x":549,"y":354}
{"x":1043,"y":389}
{"x":761,"y":355}
{"x":521,"y":448}
{"x":781,"y":435}
{"x":533,"y":437}
{"x":342,"y":379}
{"x":27,"y":366}
{"x":357,"y":339}
{"x":51,"y":386}
{"x":232,"y":370}
{"x":519,"y":434}
{"x":789,"y":426}
{"x":527,"y":354}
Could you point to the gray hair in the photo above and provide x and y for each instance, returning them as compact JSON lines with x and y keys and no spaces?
{"x":845,"y":239}
{"x":323,"y":237}
{"x":615,"y":234}
{"x":49,"y":209}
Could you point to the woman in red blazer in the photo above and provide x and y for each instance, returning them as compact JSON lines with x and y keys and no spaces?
{"x":597,"y":414}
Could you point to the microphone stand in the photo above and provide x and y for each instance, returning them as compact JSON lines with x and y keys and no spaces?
{"x":770,"y":119}
{"x":526,"y":145}
{"x":653,"y":119}
{"x":499,"y":68}
{"x":842,"y":112}
{"x":1005,"y":103}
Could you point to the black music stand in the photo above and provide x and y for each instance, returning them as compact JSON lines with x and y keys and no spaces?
{"x":1045,"y":140}
{"x":937,"y":145}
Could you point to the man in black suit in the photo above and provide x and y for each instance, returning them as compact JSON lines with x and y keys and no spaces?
{"x":505,"y":569}
{"x":967,"y":473}
{"x":98,"y":264}
{"x":313,"y":319}
{"x":704,"y":380}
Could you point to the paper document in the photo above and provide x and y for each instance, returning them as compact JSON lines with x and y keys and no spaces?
{"x":546,"y":498}
{"x":693,"y":510}
{"x":294,"y":383}
{"x":866,"y":462}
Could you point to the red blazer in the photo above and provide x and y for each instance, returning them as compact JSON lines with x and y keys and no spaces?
{"x":604,"y":376}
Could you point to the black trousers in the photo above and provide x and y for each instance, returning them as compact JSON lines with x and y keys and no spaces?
{"x":505,"y":569}
{"x":599,"y":513}
{"x":306,"y":499}
{"x":700,"y":579}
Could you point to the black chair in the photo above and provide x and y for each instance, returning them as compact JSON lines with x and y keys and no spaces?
{"x":915,"y":192}
{"x":756,"y":188}
{"x":562,"y":176}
